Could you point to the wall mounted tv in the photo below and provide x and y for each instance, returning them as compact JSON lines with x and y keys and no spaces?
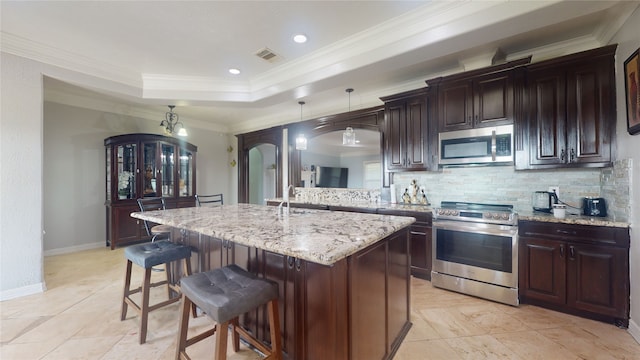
{"x":331,"y":177}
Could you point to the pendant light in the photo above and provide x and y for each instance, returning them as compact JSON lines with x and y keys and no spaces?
{"x":349,"y":136}
{"x":301,"y":140}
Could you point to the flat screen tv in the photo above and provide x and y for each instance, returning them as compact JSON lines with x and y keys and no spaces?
{"x":331,"y":177}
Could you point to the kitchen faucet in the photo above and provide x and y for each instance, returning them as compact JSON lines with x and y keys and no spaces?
{"x":280,"y":210}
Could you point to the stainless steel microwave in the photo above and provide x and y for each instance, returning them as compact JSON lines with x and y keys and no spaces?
{"x":490,"y":145}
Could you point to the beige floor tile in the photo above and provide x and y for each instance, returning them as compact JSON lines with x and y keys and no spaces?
{"x":79,"y":317}
{"x":450,"y":323}
{"x":86,"y":348}
{"x":531,"y":345}
{"x":481,"y":347}
{"x":426,"y":349}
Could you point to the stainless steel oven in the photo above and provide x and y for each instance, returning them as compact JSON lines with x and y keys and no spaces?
{"x":475,"y":250}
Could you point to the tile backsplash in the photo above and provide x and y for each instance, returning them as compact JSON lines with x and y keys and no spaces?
{"x":501,"y":185}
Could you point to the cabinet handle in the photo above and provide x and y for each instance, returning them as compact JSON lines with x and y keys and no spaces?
{"x":298,"y":264}
{"x":562,"y":251}
{"x":565,"y":232}
{"x":290,"y":262}
{"x":562,"y":155}
{"x":418,"y":233}
{"x":572,"y":253}
{"x":572,"y":155}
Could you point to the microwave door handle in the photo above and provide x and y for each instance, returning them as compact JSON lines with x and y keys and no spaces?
{"x":493,"y":145}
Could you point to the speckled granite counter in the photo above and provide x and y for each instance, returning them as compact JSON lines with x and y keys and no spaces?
{"x":320,"y":236}
{"x":522,"y":215}
{"x":571,"y":219}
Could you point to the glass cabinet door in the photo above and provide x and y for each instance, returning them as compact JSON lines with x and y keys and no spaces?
{"x":168,"y":170}
{"x":150,"y":170}
{"x":186,"y":173}
{"x":126,"y":171}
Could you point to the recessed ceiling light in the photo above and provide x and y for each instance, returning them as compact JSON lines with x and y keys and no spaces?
{"x":300,"y":38}
{"x":234,"y":71}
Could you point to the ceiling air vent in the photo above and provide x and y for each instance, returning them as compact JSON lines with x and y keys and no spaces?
{"x":267,"y":54}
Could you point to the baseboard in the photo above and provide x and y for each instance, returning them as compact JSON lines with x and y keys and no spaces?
{"x":23,"y":291}
{"x":72,"y":249}
{"x":634,"y":330}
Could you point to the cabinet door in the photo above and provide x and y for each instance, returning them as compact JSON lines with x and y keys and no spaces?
{"x":493,"y":100}
{"x":168,"y":169}
{"x":125,"y":228}
{"x":455,"y":106}
{"x":421,"y":251}
{"x":547,"y":118}
{"x":126,"y":159}
{"x":416,"y":133}
{"x":151,"y":169}
{"x":590,"y":112}
{"x":597,"y":279}
{"x":395,"y":139}
{"x":543,"y":270}
{"x":186,"y":178}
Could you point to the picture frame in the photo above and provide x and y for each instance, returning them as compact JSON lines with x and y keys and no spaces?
{"x":632,"y":92}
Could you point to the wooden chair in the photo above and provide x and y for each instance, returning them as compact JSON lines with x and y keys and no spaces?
{"x":215,"y":199}
{"x":224,"y":294}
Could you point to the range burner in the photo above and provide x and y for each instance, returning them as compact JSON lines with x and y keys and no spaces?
{"x":476,"y":212}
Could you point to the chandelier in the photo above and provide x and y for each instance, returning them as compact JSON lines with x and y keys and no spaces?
{"x":171,"y":122}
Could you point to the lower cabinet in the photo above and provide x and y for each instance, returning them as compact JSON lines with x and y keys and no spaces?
{"x":578,"y":269}
{"x":420,"y":241}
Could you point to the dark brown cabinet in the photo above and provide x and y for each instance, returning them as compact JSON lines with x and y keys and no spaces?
{"x":572,"y":110}
{"x":480,"y":101}
{"x":144,"y":165}
{"x":576,"y":268}
{"x":419,"y":241}
{"x":406,"y":135}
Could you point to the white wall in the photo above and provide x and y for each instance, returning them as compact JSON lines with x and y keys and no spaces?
{"x":628,"y":40}
{"x":72,"y":209}
{"x":20,"y":178}
{"x":74,"y":169}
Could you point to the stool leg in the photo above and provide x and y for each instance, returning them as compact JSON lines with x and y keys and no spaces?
{"x":274,"y":327}
{"x":235,"y":336}
{"x":167,"y":269}
{"x":183,"y":328}
{"x":187,"y":272}
{"x":127,"y":284}
{"x":221,"y":341}
{"x":144,"y":314}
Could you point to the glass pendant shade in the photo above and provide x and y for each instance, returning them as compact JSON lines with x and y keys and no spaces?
{"x":349,"y":137}
{"x":301,"y":142}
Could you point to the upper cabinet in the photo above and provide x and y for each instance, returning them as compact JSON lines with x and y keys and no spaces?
{"x":145,"y":165}
{"x":477,"y":98}
{"x":571,"y":110}
{"x":406,"y":134}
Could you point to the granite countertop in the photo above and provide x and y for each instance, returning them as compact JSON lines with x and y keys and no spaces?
{"x":571,"y":219}
{"x":522,"y":215}
{"x":370,"y":205}
{"x":319,"y":236}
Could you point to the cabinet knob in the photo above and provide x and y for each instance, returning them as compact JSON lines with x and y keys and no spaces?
{"x":298,"y":264}
{"x":572,"y":155}
{"x":562,"y":154}
{"x":562,"y":251}
{"x":290,"y":261}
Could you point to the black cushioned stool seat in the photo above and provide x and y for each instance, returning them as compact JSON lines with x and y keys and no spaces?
{"x":224,"y":294}
{"x":146,"y":256}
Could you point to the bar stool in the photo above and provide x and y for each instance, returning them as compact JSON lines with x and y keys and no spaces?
{"x":224,"y":294}
{"x":146,"y":256}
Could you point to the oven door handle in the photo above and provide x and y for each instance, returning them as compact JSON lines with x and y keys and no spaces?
{"x":493,"y":145}
{"x":478,"y":228}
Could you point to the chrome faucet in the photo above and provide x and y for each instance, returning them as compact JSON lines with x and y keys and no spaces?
{"x":280,"y":209}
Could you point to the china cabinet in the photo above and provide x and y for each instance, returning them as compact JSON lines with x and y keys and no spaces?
{"x":145,"y":165}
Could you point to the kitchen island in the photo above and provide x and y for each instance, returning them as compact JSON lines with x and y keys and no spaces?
{"x":343,"y":277}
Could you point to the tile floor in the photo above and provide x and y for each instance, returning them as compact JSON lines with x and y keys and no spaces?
{"x":78,"y":318}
